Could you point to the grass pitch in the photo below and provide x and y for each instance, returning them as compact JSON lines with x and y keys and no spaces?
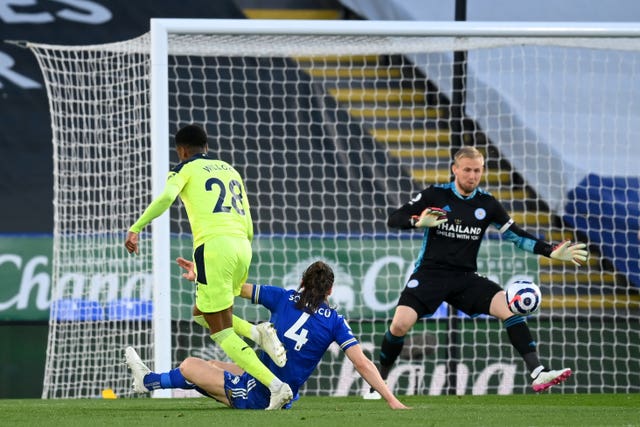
{"x":492,"y":410}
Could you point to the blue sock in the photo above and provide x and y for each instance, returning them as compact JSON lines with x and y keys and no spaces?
{"x":152,"y":381}
{"x":171,"y":379}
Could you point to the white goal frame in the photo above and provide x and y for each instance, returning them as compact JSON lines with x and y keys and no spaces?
{"x":160,"y":30}
{"x":403,"y":41}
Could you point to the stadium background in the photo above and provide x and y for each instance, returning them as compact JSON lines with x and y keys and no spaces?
{"x":26,"y":165}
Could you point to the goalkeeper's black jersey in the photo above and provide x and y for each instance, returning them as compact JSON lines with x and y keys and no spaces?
{"x":454,"y":245}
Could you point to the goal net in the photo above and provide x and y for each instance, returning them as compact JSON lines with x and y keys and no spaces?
{"x":333,"y":125}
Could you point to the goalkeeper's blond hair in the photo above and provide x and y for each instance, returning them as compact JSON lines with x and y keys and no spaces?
{"x":468,"y":152}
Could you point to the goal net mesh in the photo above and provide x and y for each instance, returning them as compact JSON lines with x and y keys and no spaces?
{"x":331,"y":133}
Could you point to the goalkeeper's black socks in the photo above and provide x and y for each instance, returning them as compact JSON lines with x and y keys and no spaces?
{"x":532,"y":361}
{"x":389,"y":351}
{"x":522,"y":341}
{"x":537,"y":371}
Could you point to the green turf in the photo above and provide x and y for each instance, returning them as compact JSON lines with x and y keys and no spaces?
{"x":514,"y":410}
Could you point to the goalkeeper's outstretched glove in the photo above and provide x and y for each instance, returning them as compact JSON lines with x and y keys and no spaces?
{"x":430,"y":217}
{"x":575,"y":253}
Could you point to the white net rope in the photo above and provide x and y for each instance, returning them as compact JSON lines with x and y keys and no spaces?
{"x":100,"y":121}
{"x":331,"y":133}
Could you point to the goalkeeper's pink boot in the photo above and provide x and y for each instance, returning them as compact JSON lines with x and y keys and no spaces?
{"x":546,"y":379}
{"x":138,"y":370}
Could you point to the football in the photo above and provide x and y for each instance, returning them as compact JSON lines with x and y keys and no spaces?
{"x":523,"y":297}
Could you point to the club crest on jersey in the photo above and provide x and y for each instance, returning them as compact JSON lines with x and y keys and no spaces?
{"x":480,"y":213}
{"x":412,"y":283}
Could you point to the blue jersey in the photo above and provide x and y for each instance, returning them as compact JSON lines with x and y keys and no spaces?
{"x":305,"y":336}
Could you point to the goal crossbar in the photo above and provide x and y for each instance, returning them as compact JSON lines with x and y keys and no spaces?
{"x":333,"y":124}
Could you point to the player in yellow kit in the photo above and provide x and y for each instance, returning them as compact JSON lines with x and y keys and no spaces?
{"x":216,"y":202}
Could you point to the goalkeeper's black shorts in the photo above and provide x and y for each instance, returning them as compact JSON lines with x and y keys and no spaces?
{"x":467,"y":291}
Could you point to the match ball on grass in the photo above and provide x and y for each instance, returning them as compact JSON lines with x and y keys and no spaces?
{"x":523,"y":297}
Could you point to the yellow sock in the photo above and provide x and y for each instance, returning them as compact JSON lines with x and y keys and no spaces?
{"x":242,"y":327}
{"x":199,"y":319}
{"x":243,"y":355}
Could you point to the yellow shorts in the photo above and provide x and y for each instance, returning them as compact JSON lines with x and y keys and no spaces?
{"x":222,"y":267}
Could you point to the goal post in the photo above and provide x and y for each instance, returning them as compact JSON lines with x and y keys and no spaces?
{"x":159,"y":96}
{"x":333,"y":125}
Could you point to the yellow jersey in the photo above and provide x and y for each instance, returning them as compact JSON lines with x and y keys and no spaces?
{"x":214,"y":197}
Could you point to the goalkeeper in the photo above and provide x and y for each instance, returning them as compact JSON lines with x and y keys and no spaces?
{"x":306,"y":325}
{"x":216,"y":202}
{"x":454,"y":218}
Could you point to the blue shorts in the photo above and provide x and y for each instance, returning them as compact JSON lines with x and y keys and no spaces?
{"x":245,"y":392}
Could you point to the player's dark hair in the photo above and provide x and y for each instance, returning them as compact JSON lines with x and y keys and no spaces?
{"x":317,"y":281}
{"x":192,"y":136}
